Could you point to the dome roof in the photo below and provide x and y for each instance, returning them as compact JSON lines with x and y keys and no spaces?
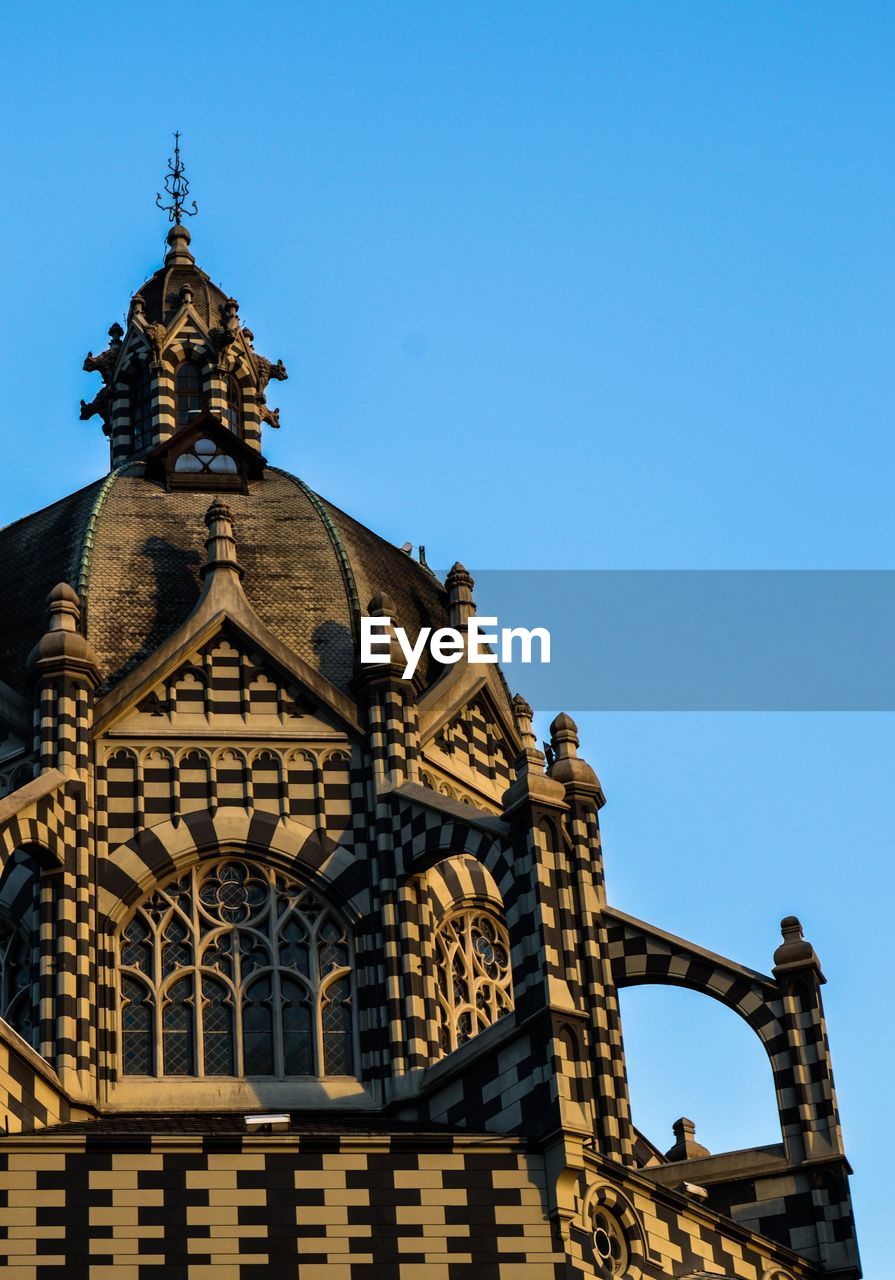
{"x":133,"y":552}
{"x":161,"y":294}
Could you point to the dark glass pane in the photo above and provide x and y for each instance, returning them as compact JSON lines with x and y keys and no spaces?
{"x":254,"y":953}
{"x":331,"y":948}
{"x":141,"y":410}
{"x":221,"y":464}
{"x":136,"y":945}
{"x":188,"y":388}
{"x":297,"y":1043}
{"x":257,"y":1029}
{"x":177,"y":951}
{"x":337,"y":1030}
{"x":294,"y":953}
{"x":217,"y":1028}
{"x":233,"y":412}
{"x":188,"y":462}
{"x":177,"y":1030}
{"x":136,"y":1029}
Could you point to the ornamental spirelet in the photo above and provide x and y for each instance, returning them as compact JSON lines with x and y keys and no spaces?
{"x":177,"y":187}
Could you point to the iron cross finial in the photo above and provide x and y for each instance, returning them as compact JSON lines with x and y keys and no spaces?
{"x":177,"y":187}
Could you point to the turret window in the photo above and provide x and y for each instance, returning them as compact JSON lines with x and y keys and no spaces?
{"x":205,"y":458}
{"x":472,"y":976}
{"x":141,"y":410}
{"x":188,"y":392}
{"x":236,"y":969}
{"x":233,"y":412}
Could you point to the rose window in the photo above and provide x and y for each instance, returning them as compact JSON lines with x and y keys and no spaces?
{"x":610,"y":1246}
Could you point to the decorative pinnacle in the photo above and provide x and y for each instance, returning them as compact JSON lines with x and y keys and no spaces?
{"x":220,"y":544}
{"x":177,"y":187}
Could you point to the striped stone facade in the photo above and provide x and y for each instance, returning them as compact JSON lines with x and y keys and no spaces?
{"x":153,"y":795}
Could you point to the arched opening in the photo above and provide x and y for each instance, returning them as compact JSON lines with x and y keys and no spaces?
{"x":233,"y":409}
{"x":236,"y":969}
{"x":19,"y":945}
{"x":688,"y":1055}
{"x":187,"y":392}
{"x":141,"y":409}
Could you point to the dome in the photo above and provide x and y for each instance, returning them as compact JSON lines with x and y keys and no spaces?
{"x":133,"y":551}
{"x":161,"y":295}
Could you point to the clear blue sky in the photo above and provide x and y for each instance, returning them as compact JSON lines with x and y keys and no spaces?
{"x":558,"y":285}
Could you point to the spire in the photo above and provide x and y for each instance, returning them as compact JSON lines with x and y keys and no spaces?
{"x":566,"y":766}
{"x":461,"y":606}
{"x":523,"y":713}
{"x":63,"y":647}
{"x":177,"y":187}
{"x":220,"y":544}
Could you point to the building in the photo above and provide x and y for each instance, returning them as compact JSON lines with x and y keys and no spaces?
{"x":308,"y":969}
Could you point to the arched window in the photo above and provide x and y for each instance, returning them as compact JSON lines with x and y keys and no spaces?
{"x":187,"y":392}
{"x":472,"y":975}
{"x":235,"y":969}
{"x":141,"y":409}
{"x":19,"y":912}
{"x":233,"y":412}
{"x":16,"y":997}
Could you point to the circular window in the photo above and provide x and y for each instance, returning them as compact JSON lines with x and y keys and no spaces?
{"x":610,"y":1245}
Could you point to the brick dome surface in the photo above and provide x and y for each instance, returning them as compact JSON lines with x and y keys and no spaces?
{"x":133,"y":552}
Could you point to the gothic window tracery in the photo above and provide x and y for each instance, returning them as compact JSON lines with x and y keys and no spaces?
{"x":16,"y":1004}
{"x":610,"y":1245}
{"x":236,"y":969}
{"x":187,"y":392}
{"x":472,"y":975}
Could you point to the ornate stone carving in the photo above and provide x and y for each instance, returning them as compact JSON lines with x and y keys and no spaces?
{"x":98,"y":406}
{"x":155,"y":335}
{"x":225,"y":337}
{"x":268,"y":371}
{"x":105,"y":362}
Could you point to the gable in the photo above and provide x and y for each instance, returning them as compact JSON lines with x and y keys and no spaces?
{"x":473,"y":747}
{"x":226,"y":684}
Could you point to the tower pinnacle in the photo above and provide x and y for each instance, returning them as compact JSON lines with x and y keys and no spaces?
{"x":177,"y":187}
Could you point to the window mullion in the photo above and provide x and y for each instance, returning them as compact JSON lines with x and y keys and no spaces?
{"x":198,"y":1028}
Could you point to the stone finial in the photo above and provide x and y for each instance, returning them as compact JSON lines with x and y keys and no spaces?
{"x":565,"y":764}
{"x":137,"y":307}
{"x":62,"y":646}
{"x":186,"y":295}
{"x":685,"y":1147}
{"x":461,"y":605}
{"x":220,"y":544}
{"x":531,"y":784}
{"x":178,"y":254}
{"x":523,"y":716}
{"x":795,"y":952}
{"x":383,"y":606}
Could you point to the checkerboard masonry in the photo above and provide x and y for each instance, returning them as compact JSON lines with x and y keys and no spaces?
{"x":245,"y":873}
